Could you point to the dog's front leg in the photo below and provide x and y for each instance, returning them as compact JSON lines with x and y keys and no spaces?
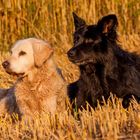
{"x":102,"y":75}
{"x":80,"y":99}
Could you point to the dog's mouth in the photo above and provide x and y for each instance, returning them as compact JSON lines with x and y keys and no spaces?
{"x":15,"y":74}
{"x":82,"y":62}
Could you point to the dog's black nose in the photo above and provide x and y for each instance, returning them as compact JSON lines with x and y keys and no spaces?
{"x":5,"y":64}
{"x":71,"y":53}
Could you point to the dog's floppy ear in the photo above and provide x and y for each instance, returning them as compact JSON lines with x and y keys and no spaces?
{"x":42,"y":51}
{"x":78,"y":22}
{"x":108,"y":23}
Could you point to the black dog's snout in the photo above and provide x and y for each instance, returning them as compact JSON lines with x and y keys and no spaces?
{"x":5,"y":64}
{"x":71,"y":53}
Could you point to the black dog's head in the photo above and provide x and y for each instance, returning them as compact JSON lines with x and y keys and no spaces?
{"x":90,"y":41}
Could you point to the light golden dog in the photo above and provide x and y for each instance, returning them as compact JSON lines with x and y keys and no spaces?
{"x":40,"y":87}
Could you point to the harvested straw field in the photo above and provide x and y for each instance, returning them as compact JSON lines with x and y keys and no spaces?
{"x":52,"y":20}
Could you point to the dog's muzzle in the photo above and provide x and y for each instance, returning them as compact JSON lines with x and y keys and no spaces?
{"x":6,"y":66}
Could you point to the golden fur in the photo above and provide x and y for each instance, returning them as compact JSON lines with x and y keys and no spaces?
{"x":41,"y":88}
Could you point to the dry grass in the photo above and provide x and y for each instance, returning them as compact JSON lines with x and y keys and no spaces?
{"x":110,"y":122}
{"x":52,"y":20}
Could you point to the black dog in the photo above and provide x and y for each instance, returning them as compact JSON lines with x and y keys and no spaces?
{"x":92,"y":84}
{"x":104,"y":66}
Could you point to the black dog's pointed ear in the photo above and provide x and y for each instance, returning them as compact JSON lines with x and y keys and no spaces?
{"x":108,"y":23}
{"x":78,"y":22}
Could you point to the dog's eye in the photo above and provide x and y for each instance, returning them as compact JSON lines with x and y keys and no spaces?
{"x":89,"y":41}
{"x":22,"y":53}
{"x":78,"y":40}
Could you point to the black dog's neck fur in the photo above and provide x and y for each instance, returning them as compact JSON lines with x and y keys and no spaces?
{"x":87,"y":69}
{"x":93,"y":73}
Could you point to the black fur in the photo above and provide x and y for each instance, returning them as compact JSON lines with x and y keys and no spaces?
{"x":104,"y":66}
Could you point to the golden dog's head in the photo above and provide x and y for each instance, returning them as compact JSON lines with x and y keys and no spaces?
{"x":26,"y":54}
